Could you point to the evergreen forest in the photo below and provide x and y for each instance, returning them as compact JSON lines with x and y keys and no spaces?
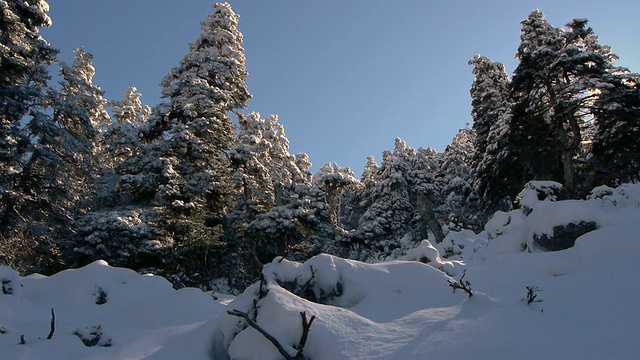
{"x":203,"y":191}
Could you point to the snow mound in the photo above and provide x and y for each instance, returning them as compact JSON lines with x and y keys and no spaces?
{"x":102,"y":312}
{"x":352,"y":301}
{"x":541,"y":215}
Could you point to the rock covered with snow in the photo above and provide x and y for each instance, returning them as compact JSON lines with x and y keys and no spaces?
{"x":543,"y":223}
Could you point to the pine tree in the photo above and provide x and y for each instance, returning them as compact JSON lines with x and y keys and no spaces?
{"x":370,"y":172}
{"x":555,"y":86}
{"x":60,"y":173}
{"x":178,"y":179}
{"x":616,"y":146}
{"x":495,"y":174}
{"x":456,"y":168}
{"x":25,"y":57}
{"x":427,"y":185}
{"x":363,"y":195}
{"x":122,"y":137}
{"x":333,"y":181}
{"x":533,"y":123}
{"x":386,"y":221}
{"x":269,"y":216}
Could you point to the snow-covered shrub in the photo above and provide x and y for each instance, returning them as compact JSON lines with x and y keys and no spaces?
{"x":101,"y":296}
{"x":535,"y":191}
{"x":93,"y":336}
{"x":320,"y":283}
{"x":426,"y":253}
{"x":623,"y":195}
{"x":463,"y":244}
{"x":504,"y":222}
{"x":10,"y":280}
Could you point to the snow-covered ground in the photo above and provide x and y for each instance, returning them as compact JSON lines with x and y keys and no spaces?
{"x":402,"y":309}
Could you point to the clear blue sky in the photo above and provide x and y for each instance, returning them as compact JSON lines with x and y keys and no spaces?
{"x":345,"y":77}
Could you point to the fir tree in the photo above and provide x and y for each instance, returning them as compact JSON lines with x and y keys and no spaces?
{"x":494,"y":171}
{"x":399,"y":181}
{"x":555,"y":86}
{"x":456,"y":181}
{"x":333,"y":181}
{"x":269,"y":216}
{"x":24,"y":58}
{"x":178,"y":180}
{"x":616,"y":147}
{"x":122,"y":137}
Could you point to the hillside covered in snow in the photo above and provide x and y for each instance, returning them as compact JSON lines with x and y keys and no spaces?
{"x":527,"y":301}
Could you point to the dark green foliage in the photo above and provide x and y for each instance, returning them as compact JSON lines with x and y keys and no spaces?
{"x":493,"y":162}
{"x":616,"y":145}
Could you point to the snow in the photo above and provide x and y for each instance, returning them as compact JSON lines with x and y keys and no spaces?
{"x":400,"y":309}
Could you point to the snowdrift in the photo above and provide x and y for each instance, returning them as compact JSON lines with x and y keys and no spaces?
{"x":585,"y":305}
{"x":125,"y":315}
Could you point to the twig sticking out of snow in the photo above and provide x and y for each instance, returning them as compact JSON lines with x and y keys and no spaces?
{"x":53,"y":325}
{"x":461,"y":284}
{"x":306,"y":326}
{"x":268,"y":336}
{"x":531,"y":294}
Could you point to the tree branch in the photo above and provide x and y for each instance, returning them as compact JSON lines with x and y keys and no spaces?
{"x":461,"y":284}
{"x":306,"y":326}
{"x":53,"y":325}
{"x":268,"y":336}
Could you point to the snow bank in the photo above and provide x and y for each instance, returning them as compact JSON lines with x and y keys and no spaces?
{"x":124,"y":314}
{"x":354,"y":304}
{"x":540,"y":214}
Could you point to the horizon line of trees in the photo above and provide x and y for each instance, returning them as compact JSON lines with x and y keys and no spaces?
{"x":181,"y":191}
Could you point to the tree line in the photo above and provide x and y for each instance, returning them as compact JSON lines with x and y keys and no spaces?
{"x":184,"y":191}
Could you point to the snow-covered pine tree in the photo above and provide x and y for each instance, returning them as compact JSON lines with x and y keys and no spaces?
{"x":370,"y":172}
{"x":122,"y":137}
{"x":58,"y":177}
{"x":387,"y":220}
{"x":264,"y":171}
{"x":24,"y":76}
{"x":555,"y":86}
{"x":426,"y":184}
{"x":208,"y":83}
{"x":616,"y":146}
{"x":118,"y":142}
{"x":113,"y":230}
{"x":492,"y":163}
{"x":533,"y":127}
{"x":362,"y":197}
{"x":456,"y":170}
{"x":333,"y":180}
{"x":178,"y":180}
{"x":269,"y":216}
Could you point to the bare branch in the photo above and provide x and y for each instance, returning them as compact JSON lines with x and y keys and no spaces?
{"x":531,"y":294}
{"x":268,"y":336}
{"x":461,"y":284}
{"x":306,"y":326}
{"x":53,"y":325}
